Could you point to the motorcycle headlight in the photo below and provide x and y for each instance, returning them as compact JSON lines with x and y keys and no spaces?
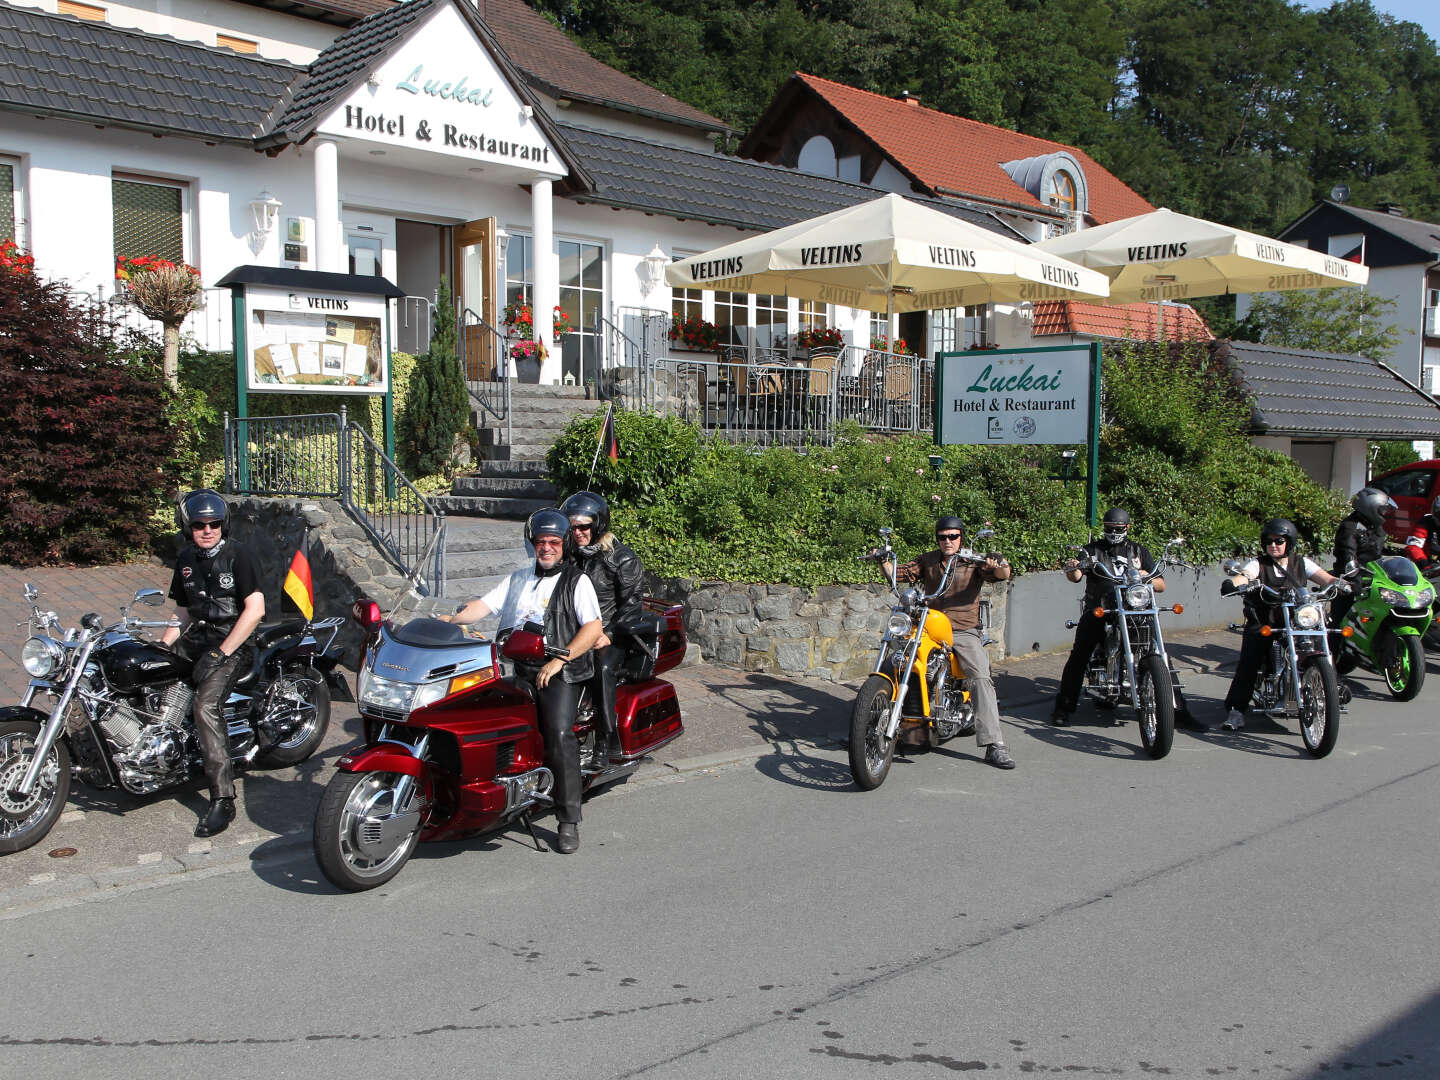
{"x":384,"y":693}
{"x":1394,"y":598}
{"x":40,"y":657}
{"x":899,"y":625}
{"x":1425,"y":596}
{"x":1139,"y":596}
{"x":1307,"y":616}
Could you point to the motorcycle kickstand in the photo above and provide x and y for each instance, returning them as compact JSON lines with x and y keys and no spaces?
{"x":530,"y":828}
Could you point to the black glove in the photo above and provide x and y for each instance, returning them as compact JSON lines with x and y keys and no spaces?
{"x":1346,"y":588}
{"x":1228,"y":587}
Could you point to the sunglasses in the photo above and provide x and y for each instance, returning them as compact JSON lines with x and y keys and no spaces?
{"x":204,"y":526}
{"x":948,"y":536}
{"x":549,"y":541}
{"x":1270,"y":541}
{"x":581,"y":526}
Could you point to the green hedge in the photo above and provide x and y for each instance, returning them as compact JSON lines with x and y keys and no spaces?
{"x":1172,"y":451}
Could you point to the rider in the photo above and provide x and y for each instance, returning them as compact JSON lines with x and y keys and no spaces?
{"x":1423,"y":544}
{"x":1114,"y":543}
{"x":616,"y":573}
{"x":1360,"y":539}
{"x":556,"y":593}
{"x":1277,"y":569}
{"x":961,"y":605}
{"x":216,"y":589}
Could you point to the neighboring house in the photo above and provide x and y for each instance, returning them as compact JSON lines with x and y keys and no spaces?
{"x":1063,"y":322}
{"x":1322,"y":409}
{"x":1404,"y":259}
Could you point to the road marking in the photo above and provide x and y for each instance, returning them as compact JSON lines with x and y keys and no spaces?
{"x":41,"y":879}
{"x":150,"y":857}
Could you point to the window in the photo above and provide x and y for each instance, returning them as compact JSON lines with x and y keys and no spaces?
{"x":11,"y":211}
{"x":1062,"y":190}
{"x":953,"y":329}
{"x":814,"y":315}
{"x":367,"y":254}
{"x":519,"y":269}
{"x":149,"y":218}
{"x":1407,"y":484}
{"x":732,"y":318}
{"x":82,"y":11}
{"x":771,"y":319}
{"x":688,"y":303}
{"x":238,"y":44}
{"x":582,"y":295}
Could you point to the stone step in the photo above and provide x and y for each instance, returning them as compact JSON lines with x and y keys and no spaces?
{"x":490,"y":562}
{"x":509,"y":469}
{"x":522,"y":487}
{"x":486,"y":506}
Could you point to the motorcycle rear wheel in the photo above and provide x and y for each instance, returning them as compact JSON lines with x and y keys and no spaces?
{"x":1319,"y":707}
{"x":25,"y":820}
{"x":1155,"y":705}
{"x":870,"y":751}
{"x":349,"y":799}
{"x":307,"y":694}
{"x":1404,"y":670}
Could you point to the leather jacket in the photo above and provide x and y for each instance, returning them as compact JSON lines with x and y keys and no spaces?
{"x":1358,"y":542}
{"x":618,"y":578}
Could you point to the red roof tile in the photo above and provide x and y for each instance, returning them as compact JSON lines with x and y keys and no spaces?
{"x":960,"y":155}
{"x":1136,"y":322}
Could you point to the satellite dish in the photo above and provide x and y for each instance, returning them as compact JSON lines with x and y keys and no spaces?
{"x":1340,"y":192}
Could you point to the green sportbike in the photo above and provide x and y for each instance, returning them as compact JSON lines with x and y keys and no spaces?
{"x":1383,"y":630}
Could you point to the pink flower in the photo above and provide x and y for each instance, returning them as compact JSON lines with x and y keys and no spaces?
{"x":934,"y":498}
{"x":887,"y":459}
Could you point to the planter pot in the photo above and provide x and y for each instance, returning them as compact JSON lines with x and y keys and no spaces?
{"x":527,"y":369}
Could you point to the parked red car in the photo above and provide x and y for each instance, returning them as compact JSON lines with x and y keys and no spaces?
{"x":1413,"y":487}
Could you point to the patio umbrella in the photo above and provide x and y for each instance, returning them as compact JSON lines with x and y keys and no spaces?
{"x":1163,"y":255}
{"x":887,"y":255}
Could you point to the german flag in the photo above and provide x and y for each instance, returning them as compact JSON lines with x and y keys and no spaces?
{"x":298,"y":586}
{"x":609,"y":444}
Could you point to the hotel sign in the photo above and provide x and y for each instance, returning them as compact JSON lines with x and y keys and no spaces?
{"x":1004,"y":397}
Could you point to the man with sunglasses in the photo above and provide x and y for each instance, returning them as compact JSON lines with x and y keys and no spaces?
{"x":555,"y":593}
{"x":216,"y":589}
{"x":961,"y":605}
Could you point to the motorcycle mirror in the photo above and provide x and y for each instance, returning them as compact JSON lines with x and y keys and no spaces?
{"x":983,"y":533}
{"x":91,"y":621}
{"x":149,"y":597}
{"x":887,"y":532}
{"x":1231,"y":567}
{"x":31,"y":593}
{"x":367,"y":613}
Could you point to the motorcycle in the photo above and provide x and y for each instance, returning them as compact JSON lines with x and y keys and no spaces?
{"x":1389,"y":620}
{"x":1297,"y":679}
{"x":1131,"y":665}
{"x":917,"y":695}
{"x":118,"y":710}
{"x":452,"y":743}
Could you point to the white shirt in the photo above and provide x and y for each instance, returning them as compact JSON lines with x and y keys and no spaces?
{"x":1251,"y":570}
{"x":524,"y":596}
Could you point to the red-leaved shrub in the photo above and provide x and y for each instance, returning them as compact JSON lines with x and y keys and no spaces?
{"x":84,"y":440}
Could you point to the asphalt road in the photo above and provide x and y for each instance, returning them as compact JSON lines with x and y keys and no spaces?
{"x":1236,"y":909}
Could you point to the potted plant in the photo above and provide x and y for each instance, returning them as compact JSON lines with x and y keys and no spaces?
{"x":165,"y":291}
{"x":828,"y":338}
{"x":15,"y":261}
{"x":693,"y":333}
{"x":527,"y":354}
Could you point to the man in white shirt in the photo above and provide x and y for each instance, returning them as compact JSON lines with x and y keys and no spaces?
{"x":556,"y":594}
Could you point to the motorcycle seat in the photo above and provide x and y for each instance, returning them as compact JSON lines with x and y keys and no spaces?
{"x":269,"y":633}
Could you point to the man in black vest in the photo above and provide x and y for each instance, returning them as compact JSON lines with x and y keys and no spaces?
{"x":216,"y":589}
{"x":556,"y":593}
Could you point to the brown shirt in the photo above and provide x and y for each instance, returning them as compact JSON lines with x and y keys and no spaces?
{"x":961,"y":601}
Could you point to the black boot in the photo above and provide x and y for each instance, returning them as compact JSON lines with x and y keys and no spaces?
{"x":218,"y":816}
{"x":567,"y":838}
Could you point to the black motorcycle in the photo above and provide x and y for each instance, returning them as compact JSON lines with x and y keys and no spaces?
{"x":115,"y":710}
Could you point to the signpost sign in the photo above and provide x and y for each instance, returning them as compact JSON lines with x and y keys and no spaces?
{"x":1008,"y":397}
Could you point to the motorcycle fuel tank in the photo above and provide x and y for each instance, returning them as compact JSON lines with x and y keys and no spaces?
{"x":132,"y":664}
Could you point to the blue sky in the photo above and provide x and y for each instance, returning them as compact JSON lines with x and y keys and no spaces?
{"x":1424,"y":12}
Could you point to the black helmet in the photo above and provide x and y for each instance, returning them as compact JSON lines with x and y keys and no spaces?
{"x":1115,"y":524}
{"x":950,"y":524}
{"x":586,"y":504}
{"x":547,"y":522}
{"x":204,"y":504}
{"x":1373,"y":506}
{"x":1280,"y":527}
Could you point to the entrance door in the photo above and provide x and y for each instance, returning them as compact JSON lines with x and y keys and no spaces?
{"x":475,"y":257}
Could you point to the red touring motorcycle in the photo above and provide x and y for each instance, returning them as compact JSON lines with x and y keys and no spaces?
{"x":452,"y":741}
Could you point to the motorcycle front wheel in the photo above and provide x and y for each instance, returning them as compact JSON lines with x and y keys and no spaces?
{"x":1404,"y":660}
{"x":870,"y":751}
{"x":355,"y":845}
{"x":25,"y":819}
{"x":1319,"y":707}
{"x":1155,"y":705}
{"x":300,"y":702}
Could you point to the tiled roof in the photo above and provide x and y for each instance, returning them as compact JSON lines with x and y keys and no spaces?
{"x":1297,"y":392}
{"x":57,"y":65}
{"x":1135,"y":322}
{"x":635,"y":174}
{"x":1424,"y":235}
{"x":562,"y":69}
{"x":966,"y":156}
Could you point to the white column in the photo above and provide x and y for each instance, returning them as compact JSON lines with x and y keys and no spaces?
{"x":547,"y":275}
{"x":329,"y":238}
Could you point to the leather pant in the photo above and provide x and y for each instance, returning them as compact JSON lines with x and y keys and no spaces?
{"x":213,"y":683}
{"x":602,"y":691}
{"x":556,"y":706}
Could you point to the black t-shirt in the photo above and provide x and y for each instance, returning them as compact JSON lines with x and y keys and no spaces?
{"x":213,"y":590}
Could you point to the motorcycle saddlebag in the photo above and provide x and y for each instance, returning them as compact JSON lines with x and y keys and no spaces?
{"x":648,"y":715}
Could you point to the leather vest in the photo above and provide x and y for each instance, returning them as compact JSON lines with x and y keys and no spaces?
{"x":212,"y":587}
{"x":562,"y":624}
{"x":1259,"y":610}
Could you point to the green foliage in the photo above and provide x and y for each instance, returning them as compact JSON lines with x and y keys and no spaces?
{"x":438,"y":409}
{"x":1390,"y":455}
{"x":1326,"y":320}
{"x":1173,"y":452}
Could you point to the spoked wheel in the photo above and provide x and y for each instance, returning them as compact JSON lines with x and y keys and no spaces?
{"x":362,"y":839}
{"x":1404,"y":660}
{"x":297,"y":706}
{"x":1155,"y":704}
{"x":25,"y":819}
{"x":1319,"y":707}
{"x":870,"y":751}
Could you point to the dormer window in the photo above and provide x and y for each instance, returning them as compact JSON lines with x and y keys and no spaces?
{"x":1056,"y":180}
{"x":1062,"y":190}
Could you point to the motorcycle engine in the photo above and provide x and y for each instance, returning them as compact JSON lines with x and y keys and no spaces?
{"x":149,"y":741}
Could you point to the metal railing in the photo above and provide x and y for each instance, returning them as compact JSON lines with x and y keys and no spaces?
{"x":326,"y":455}
{"x":487,"y":368}
{"x":413,"y":319}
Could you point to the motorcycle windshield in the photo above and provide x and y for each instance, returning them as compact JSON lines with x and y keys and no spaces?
{"x":1400,"y":570}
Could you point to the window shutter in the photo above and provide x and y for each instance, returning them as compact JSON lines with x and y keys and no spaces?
{"x":148,"y":220}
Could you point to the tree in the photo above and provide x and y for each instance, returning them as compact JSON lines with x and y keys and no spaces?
{"x":437,"y":409}
{"x":1326,"y":320}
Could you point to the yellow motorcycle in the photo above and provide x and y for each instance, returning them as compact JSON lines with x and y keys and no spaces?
{"x":916,"y":697}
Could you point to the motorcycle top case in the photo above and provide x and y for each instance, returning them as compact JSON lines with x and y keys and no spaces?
{"x":132,"y":664}
{"x":656,"y":641}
